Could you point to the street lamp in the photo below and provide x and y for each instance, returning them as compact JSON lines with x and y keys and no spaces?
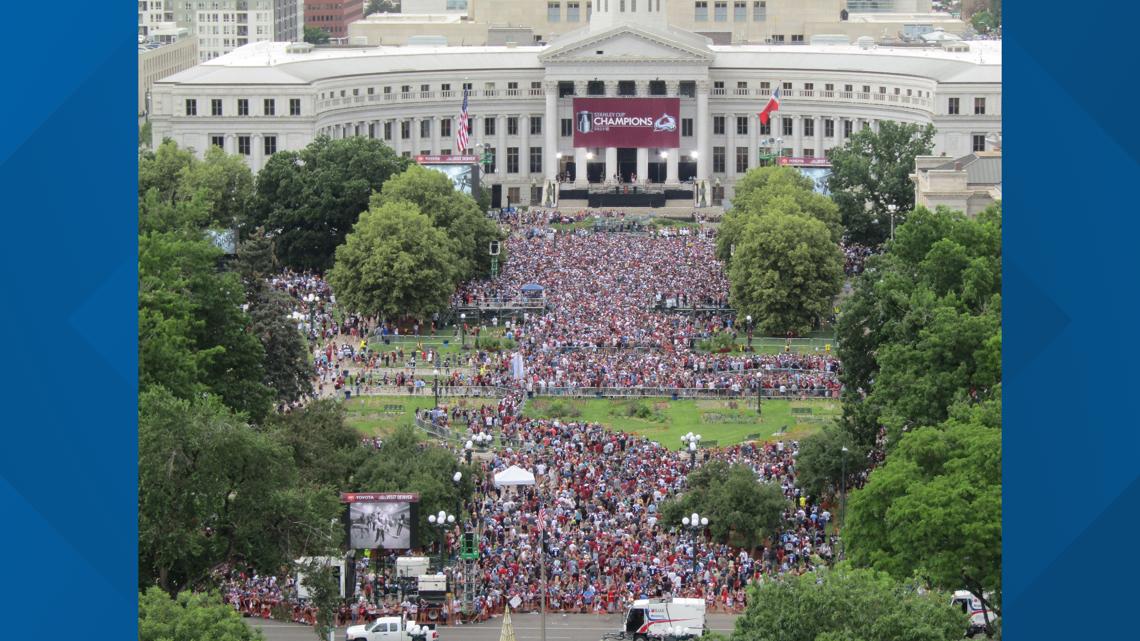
{"x":843,"y":501}
{"x":697,"y":523}
{"x":456,"y":478}
{"x":442,"y":520}
{"x":467,"y":451}
{"x":463,"y":330}
{"x":692,"y":440}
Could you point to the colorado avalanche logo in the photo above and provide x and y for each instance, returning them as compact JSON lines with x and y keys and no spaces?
{"x":665,"y":123}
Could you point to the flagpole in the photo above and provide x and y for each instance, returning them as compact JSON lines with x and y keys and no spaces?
{"x":542,"y":569}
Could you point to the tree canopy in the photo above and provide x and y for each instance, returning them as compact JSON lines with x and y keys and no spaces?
{"x":766,"y":190}
{"x":316,"y":35}
{"x":847,"y":605}
{"x":740,"y":509}
{"x":179,"y":192}
{"x":308,"y":200}
{"x":870,"y":177}
{"x":456,"y":213}
{"x":822,"y":462}
{"x":395,"y":263}
{"x":190,"y":617}
{"x":785,"y":272}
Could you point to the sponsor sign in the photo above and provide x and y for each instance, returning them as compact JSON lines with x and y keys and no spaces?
{"x":804,"y":162}
{"x":627,"y":122}
{"x":453,"y":159}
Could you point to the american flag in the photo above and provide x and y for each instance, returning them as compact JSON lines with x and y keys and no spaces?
{"x":541,"y":519}
{"x":461,"y":128}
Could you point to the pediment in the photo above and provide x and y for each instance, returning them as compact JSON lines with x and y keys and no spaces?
{"x":628,"y":44}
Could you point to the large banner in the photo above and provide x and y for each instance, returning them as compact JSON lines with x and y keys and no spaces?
{"x":381,"y":520}
{"x":627,"y":122}
{"x":460,"y":169}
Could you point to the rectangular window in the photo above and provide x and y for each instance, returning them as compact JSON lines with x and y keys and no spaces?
{"x":388,"y":130}
{"x":766,"y":129}
{"x":787,"y":86}
{"x":243,"y":145}
{"x":829,"y":128}
{"x":489,"y":126}
{"x":829,"y":87}
{"x":494,"y":159}
{"x":268,"y":107}
{"x":512,"y":160}
{"x":572,"y":12}
{"x":445,"y":128}
{"x":847,"y":128}
{"x":218,"y":141}
{"x":740,"y":11}
{"x":688,"y":88}
{"x":567,"y":127}
{"x":536,"y":160}
{"x":425,"y":128}
{"x":701,"y":12}
{"x":809,"y":126}
{"x":191,"y":107}
{"x":952,"y":107}
{"x":979,"y":142}
{"x":809,"y":152}
{"x":718,"y":160}
{"x":809,"y":86}
{"x":778,"y":38}
{"x":798,"y":37}
{"x":742,"y":125}
{"x":216,"y":107}
{"x":294,"y":106}
{"x":787,"y":126}
{"x":759,"y":11}
{"x":720,"y":11}
{"x":405,"y":129}
{"x":741,"y":160}
{"x":979,"y":106}
{"x":513,"y":194}
{"x":535,"y":125}
{"x":627,"y":88}
{"x":553,"y":11}
{"x":512,"y":125}
{"x":687,"y":127}
{"x":718,"y":125}
{"x":270,"y":146}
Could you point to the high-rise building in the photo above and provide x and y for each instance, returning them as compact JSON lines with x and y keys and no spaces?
{"x":224,"y":25}
{"x":333,"y":17}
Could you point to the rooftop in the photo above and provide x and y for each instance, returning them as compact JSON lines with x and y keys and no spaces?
{"x":982,"y":168}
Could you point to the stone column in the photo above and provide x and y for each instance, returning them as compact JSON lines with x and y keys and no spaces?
{"x":550,"y":131}
{"x":730,"y":149}
{"x":231,"y":144}
{"x":798,"y":135}
{"x":580,"y":87}
{"x":611,"y":162}
{"x":819,"y":137}
{"x":611,"y":87}
{"x":753,"y":140}
{"x":704,"y":126}
{"x":673,"y":88}
{"x":256,"y":149}
{"x":641,"y":87}
{"x":671,"y":167}
{"x":580,"y":166}
{"x":501,"y":147}
{"x":416,"y":136}
{"x":524,"y":144}
{"x":436,"y":147}
{"x":642,"y":164}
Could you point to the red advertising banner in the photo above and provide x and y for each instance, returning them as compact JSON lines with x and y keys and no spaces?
{"x":453,"y":159}
{"x":383,"y":497}
{"x":627,"y":122}
{"x":804,"y":162}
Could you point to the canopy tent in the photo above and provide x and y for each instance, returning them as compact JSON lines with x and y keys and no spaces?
{"x":532,"y":287}
{"x":513,"y":476}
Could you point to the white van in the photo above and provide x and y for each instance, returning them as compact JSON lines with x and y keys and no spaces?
{"x":680,"y":618}
{"x":972,"y":605}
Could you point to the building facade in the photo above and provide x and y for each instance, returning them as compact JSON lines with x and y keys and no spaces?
{"x":271,"y":97}
{"x":169,"y":50}
{"x":333,"y":16}
{"x":968,"y":184}
{"x":224,"y":25}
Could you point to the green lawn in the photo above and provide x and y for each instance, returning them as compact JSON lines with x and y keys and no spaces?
{"x":663,"y":420}
{"x":378,"y":415}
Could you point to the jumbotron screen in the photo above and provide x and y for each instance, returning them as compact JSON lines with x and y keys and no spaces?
{"x":382,"y":521}
{"x":462,"y":170}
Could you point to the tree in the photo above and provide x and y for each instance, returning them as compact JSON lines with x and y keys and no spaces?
{"x":847,"y":605}
{"x":226,"y":183}
{"x":145,"y":135}
{"x":325,"y":448}
{"x":456,"y":213}
{"x":785,"y":273}
{"x":316,"y":35}
{"x":179,"y":192}
{"x":161,"y":169}
{"x":213,"y":490}
{"x":190,"y":616}
{"x":320,"y":581}
{"x":395,"y":263}
{"x":821,"y":462}
{"x":870,"y":177}
{"x":934,"y":507}
{"x":307,"y":201}
{"x":382,"y":6}
{"x":740,"y":509}
{"x":923,"y":328}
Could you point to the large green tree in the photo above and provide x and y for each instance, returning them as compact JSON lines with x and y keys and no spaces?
{"x":395,"y":263}
{"x":821,"y":463}
{"x":740,"y":509}
{"x":870,"y":177}
{"x":923,"y":328}
{"x":190,"y":617}
{"x":765,"y":190}
{"x":316,"y":35}
{"x":847,"y":605}
{"x":192,"y":330}
{"x":180,"y":192}
{"x":211,"y":490}
{"x":785,"y":272}
{"x":325,"y":448}
{"x":456,"y":213}
{"x":934,"y":507}
{"x":309,"y":200}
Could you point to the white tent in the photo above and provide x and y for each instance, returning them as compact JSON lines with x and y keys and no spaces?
{"x":512,"y":476}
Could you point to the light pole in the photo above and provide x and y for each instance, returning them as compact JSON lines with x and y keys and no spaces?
{"x":442,"y":520}
{"x":463,"y":331}
{"x":748,"y":321}
{"x":697,"y":523}
{"x":692,"y":441}
{"x":456,"y":479}
{"x":843,"y":501}
{"x":467,"y":451}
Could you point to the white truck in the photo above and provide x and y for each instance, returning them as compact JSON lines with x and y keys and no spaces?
{"x":391,"y":629}
{"x":675,"y":617}
{"x":972,"y":605}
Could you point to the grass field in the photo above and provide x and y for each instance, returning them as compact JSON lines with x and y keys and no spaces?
{"x":379,"y":415}
{"x":665,"y":421}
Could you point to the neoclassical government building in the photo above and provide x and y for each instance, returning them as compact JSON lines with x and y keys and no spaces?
{"x":627,"y":99}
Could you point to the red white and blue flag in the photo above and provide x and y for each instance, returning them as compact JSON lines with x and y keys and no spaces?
{"x":541,"y":519}
{"x":461,"y":128}
{"x":773,"y":105}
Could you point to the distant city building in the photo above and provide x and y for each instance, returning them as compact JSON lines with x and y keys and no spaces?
{"x":333,"y":17}
{"x":224,"y":25}
{"x":168,"y":50}
{"x":968,"y":184}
